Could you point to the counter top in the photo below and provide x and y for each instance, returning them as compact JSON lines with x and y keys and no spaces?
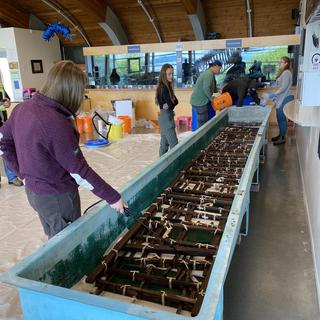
{"x":175,"y":89}
{"x":304,"y":116}
{"x":133,"y":89}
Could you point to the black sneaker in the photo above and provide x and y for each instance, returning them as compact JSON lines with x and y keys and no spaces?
{"x":275,"y":138}
{"x":280,"y":141}
{"x":16,"y":182}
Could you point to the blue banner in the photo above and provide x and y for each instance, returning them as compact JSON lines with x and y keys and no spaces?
{"x":234,"y":43}
{"x":134,"y":49}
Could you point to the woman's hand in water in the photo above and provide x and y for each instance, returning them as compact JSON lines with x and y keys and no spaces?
{"x":119,"y":205}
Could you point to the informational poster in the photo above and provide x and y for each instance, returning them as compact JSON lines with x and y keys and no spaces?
{"x":310,"y":89}
{"x":13,"y":65}
{"x":3,"y":53}
{"x":16,"y":84}
{"x":310,"y":79}
{"x":15,"y":74}
{"x":311,"y":61}
{"x":15,"y":80}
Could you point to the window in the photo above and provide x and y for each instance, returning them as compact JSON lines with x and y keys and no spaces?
{"x":134,"y":65}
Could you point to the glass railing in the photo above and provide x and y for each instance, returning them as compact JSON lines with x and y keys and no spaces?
{"x":141,"y":70}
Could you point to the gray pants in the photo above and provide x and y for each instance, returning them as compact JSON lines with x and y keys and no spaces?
{"x":55,"y":211}
{"x":202,"y":114}
{"x":167,"y":131}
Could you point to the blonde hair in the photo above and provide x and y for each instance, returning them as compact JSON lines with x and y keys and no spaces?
{"x":65,"y":84}
{"x":163,"y":82}
{"x":287,"y":66}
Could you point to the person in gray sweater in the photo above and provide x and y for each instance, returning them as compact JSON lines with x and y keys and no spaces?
{"x":281,"y":97}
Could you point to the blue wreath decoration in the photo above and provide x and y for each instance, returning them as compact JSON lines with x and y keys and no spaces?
{"x":57,"y":28}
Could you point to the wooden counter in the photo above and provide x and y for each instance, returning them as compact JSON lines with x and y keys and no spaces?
{"x":144,"y":100}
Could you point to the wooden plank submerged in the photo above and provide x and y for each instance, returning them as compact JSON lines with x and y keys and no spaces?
{"x":180,"y":224}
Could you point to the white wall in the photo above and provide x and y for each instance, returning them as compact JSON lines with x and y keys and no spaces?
{"x":307,"y":143}
{"x":22,"y":46}
{"x":31,"y":46}
{"x":8,"y":43}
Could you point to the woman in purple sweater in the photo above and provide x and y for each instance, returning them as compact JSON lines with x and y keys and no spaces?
{"x":41,"y":144}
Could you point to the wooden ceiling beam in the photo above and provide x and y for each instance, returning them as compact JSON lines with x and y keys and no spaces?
{"x":94,"y":8}
{"x":190,"y":5}
{"x":3,"y":24}
{"x":113,"y":28}
{"x":13,"y":16}
{"x":106,"y":18}
{"x":197,"y":17}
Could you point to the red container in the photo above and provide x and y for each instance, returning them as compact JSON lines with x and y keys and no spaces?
{"x":80,"y":124}
{"x":126,"y":123}
{"x":87,"y":125}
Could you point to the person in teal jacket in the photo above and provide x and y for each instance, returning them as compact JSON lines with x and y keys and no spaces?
{"x":202,"y":92}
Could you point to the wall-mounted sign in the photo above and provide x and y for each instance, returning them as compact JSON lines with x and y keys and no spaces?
{"x":3,"y":53}
{"x":234,"y":43}
{"x":13,"y":65}
{"x":15,"y":74}
{"x":36,"y":66}
{"x":311,"y":61}
{"x":315,"y":60}
{"x":16,"y":84}
{"x":134,"y":49}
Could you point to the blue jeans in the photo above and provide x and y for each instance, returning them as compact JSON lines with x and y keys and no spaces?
{"x":9,"y":173}
{"x":281,"y":118}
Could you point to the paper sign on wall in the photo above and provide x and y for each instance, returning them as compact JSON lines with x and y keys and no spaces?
{"x":312,"y":48}
{"x":13,"y":65}
{"x":16,"y":84}
{"x":3,"y":53}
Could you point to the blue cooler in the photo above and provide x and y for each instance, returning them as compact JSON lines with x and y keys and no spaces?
{"x":247,"y":101}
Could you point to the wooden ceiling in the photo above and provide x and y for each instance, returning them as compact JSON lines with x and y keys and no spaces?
{"x":228,"y":17}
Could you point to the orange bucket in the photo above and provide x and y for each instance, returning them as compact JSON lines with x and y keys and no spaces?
{"x":126,"y":123}
{"x":80,"y":124}
{"x":87,"y":125}
{"x":222,"y":101}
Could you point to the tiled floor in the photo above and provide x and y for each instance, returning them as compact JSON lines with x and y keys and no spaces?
{"x":20,"y":230}
{"x":272,"y":274}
